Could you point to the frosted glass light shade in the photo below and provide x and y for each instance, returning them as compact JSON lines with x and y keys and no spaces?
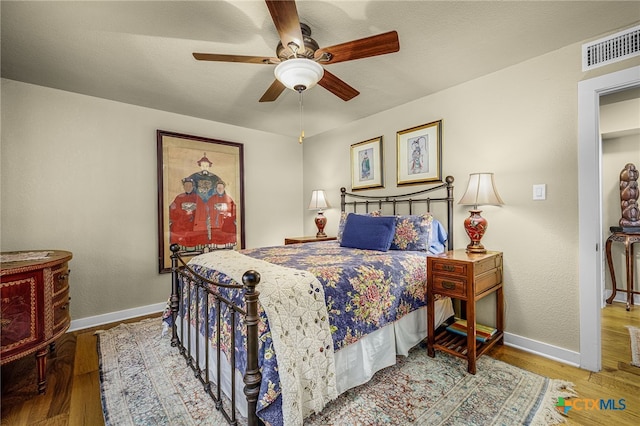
{"x":299,"y":74}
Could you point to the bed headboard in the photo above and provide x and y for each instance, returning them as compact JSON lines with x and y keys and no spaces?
{"x":404,"y":203}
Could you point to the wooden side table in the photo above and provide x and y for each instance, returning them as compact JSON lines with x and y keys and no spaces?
{"x":468,"y":277}
{"x":629,"y":239}
{"x":302,"y":240}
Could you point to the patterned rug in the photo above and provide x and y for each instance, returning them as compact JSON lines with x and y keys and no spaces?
{"x":144,"y":381}
{"x":634,"y":335}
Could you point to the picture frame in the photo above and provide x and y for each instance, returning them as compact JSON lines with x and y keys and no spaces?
{"x":419,"y":154}
{"x":367,"y":161}
{"x":200,"y":195}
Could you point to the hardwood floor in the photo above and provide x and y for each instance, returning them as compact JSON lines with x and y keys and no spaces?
{"x":617,"y":380}
{"x":73,"y":395}
{"x":73,"y":385}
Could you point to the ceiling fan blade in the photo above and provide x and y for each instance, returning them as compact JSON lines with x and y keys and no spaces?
{"x":380,"y":44}
{"x":273,"y":92}
{"x":235,"y":58}
{"x":285,"y":18}
{"x":337,"y":86}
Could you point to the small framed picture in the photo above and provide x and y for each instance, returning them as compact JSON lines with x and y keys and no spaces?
{"x":366,"y":164}
{"x":419,"y":154}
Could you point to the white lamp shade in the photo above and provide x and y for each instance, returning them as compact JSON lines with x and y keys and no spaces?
{"x":299,"y":72}
{"x":481,"y":191}
{"x":318,"y":200}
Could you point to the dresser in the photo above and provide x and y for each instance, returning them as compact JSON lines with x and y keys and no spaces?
{"x":34,"y":289}
{"x":467,"y":277}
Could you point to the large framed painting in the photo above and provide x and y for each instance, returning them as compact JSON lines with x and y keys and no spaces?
{"x":200,"y":195}
{"x":366,"y":164}
{"x":419,"y":154}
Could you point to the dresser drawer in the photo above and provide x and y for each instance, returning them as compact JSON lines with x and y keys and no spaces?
{"x":61,"y":317}
{"x":60,"y":277}
{"x":449,"y":267}
{"x":449,"y":285}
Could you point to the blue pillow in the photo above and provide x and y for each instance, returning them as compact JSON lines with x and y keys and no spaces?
{"x":343,"y":221}
{"x":438,"y":238}
{"x":368,"y":232}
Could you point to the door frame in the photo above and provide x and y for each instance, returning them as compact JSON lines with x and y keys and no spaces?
{"x":591,"y":254}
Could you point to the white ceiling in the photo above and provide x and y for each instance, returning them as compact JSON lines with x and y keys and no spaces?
{"x":140,"y":52}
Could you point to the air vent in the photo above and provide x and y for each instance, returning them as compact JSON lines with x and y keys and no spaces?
{"x":614,"y":48}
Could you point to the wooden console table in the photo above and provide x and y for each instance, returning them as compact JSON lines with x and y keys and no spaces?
{"x":629,"y":239}
{"x":35,"y":305}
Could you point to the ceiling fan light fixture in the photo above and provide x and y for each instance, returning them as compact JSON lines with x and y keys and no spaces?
{"x":299,"y":73}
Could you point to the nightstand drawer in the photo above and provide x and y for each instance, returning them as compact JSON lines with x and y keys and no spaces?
{"x":488,"y":264}
{"x":449,"y":267}
{"x":488,"y":280}
{"x":449,"y":286}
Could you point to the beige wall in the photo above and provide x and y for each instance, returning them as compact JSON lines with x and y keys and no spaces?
{"x":521,"y":124}
{"x":79,"y":173}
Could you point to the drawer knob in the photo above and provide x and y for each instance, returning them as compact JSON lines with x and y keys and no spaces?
{"x":448,"y":285}
{"x":448,"y":268}
{"x":63,"y":277}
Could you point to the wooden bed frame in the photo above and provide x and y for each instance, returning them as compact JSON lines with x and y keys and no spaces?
{"x":253,"y":376}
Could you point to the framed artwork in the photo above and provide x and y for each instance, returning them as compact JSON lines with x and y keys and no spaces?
{"x":419,"y":154}
{"x":200,"y":195}
{"x":366,"y":164}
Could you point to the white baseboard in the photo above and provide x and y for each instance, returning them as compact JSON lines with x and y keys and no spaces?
{"x":94,"y":321}
{"x":543,"y":349}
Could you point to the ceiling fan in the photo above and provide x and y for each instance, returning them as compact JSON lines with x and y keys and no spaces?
{"x":298,"y":57}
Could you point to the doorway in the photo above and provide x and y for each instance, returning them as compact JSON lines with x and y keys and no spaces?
{"x":620,"y":133}
{"x":590,"y":208}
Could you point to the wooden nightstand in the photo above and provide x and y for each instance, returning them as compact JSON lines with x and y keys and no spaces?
{"x":301,"y":240}
{"x":468,"y":277}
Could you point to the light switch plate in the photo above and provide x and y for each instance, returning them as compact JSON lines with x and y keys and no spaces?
{"x":540,"y":191}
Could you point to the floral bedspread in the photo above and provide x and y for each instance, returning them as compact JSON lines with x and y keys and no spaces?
{"x":364,"y":291}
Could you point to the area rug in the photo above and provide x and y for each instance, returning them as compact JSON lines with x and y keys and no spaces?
{"x":634,"y":335}
{"x":145,"y":381}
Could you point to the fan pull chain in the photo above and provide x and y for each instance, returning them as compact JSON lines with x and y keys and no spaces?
{"x":301,"y":137}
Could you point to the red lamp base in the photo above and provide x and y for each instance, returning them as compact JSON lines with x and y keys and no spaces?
{"x":321,"y":221}
{"x":475,"y":225}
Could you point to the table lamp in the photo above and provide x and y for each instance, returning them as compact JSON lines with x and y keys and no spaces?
{"x":481,"y":190}
{"x":319,"y":202}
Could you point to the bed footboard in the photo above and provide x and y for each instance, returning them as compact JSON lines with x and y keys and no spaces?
{"x":181,"y":272}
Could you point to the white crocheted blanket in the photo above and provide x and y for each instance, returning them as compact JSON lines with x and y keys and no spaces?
{"x":294,"y":303}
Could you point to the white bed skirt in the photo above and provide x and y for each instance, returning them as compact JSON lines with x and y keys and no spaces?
{"x":355,"y":364}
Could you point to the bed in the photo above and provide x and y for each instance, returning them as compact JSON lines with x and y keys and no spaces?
{"x":297,"y":325}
